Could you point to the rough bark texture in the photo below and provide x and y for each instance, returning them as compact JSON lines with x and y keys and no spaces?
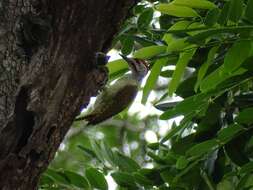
{"x":47,"y":74}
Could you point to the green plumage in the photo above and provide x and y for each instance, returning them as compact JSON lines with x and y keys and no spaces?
{"x":116,"y":97}
{"x":113,"y":99}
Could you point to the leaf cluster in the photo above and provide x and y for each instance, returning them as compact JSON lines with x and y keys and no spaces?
{"x":203,"y":50}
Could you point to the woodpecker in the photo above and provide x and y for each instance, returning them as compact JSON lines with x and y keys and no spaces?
{"x":118,"y":96}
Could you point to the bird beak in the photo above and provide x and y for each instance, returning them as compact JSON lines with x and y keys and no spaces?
{"x":129,"y":61}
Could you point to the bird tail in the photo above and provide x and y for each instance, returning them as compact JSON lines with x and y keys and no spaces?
{"x":92,"y":119}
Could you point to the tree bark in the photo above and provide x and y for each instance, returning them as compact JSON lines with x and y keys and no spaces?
{"x":47,"y":74}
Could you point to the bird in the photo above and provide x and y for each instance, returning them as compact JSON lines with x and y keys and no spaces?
{"x":116,"y":97}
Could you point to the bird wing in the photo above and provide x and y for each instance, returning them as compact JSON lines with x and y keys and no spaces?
{"x":122,"y":97}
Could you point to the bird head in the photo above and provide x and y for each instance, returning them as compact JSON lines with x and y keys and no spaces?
{"x":138,"y":67}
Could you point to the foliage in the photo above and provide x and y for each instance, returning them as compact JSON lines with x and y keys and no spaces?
{"x":204,"y":50}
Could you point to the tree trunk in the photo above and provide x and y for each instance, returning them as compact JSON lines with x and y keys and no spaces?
{"x":47,"y":74}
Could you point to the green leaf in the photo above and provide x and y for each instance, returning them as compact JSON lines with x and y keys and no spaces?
{"x":153,"y":146}
{"x":168,"y":38}
{"x":213,"y":79}
{"x":228,"y":133}
{"x":125,"y":163}
{"x":46,"y":180}
{"x":76,"y":179}
{"x":235,"y":149}
{"x":198,"y":4}
{"x":142,"y":180}
{"x":235,"y":10}
{"x":107,"y":153}
{"x":124,"y":179}
{"x":152,"y":174}
{"x":173,"y":131}
{"x":148,"y":52}
{"x":145,"y":18}
{"x":180,"y":25}
{"x":182,"y":162}
{"x":152,"y":78}
{"x":97,"y":149}
{"x":142,"y":40}
{"x":225,"y":185}
{"x":96,"y":179}
{"x":203,"y":69}
{"x":236,"y":55}
{"x":164,"y":21}
{"x":116,"y":66}
{"x":193,"y":26}
{"x":127,"y":45}
{"x":138,"y":9}
{"x":201,"y":37}
{"x":212,"y":17}
{"x":223,"y":18}
{"x":217,"y":77}
{"x":57,"y":176}
{"x":241,"y":184}
{"x":156,"y":158}
{"x":249,"y":182}
{"x":167,"y":176}
{"x":202,"y":148}
{"x":246,"y":168}
{"x":183,"y":60}
{"x":177,"y":45}
{"x":189,"y":105}
{"x":245,"y":116}
{"x":175,"y":10}
{"x":190,"y":169}
{"x":249,"y":10}
{"x":88,"y":152}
